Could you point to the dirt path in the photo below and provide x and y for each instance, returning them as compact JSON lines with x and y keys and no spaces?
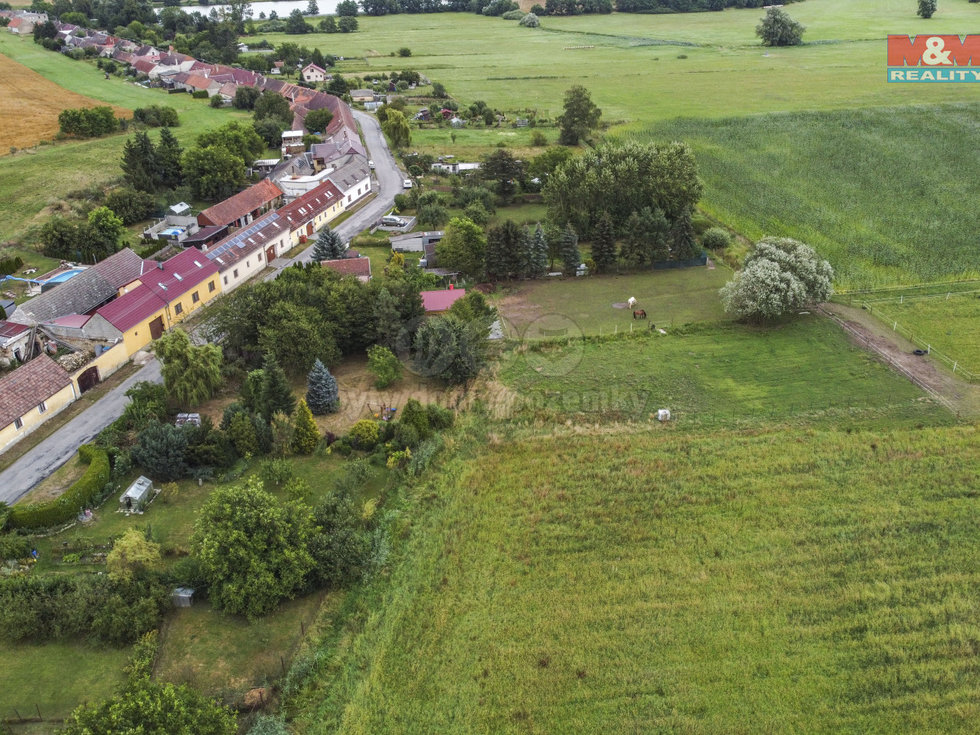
{"x":960,"y":397}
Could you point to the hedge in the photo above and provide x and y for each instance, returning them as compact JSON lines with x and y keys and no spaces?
{"x":83,"y":493}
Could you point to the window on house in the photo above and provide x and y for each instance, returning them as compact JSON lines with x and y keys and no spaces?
{"x":179,"y":309}
{"x":195,"y":298}
{"x":42,"y":407}
{"x":211,"y":286}
{"x":18,"y":424}
{"x":235,"y":273}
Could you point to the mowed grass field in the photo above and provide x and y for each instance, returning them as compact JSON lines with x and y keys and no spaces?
{"x":802,"y":581}
{"x":32,"y":105}
{"x":950,"y":324}
{"x":803,"y":372}
{"x":31,"y":181}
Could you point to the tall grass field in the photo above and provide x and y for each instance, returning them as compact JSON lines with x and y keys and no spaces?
{"x":783,"y":581}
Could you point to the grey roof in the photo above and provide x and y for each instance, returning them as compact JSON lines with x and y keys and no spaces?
{"x":88,"y":290}
{"x":354,"y":169}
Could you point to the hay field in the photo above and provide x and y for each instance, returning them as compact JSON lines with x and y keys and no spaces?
{"x":31,"y":105}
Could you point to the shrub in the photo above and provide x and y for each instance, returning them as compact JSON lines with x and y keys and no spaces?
{"x":513,"y":15}
{"x":716,"y":239}
{"x":384,"y":365}
{"x":439,"y":418}
{"x":530,"y":21}
{"x":413,"y":414}
{"x":364,"y":434}
{"x":14,"y":547}
{"x":157,"y":116}
{"x":88,"y":122}
{"x":405,"y":435}
{"x":83,"y":493}
{"x":199,"y":94}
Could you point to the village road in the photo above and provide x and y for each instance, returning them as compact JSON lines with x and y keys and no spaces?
{"x":41,"y":461}
{"x":55,"y":450}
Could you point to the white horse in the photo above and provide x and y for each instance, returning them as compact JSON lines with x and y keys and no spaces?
{"x":631,"y":302}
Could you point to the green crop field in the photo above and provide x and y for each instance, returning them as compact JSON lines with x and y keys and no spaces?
{"x":782,"y":581}
{"x":885,"y":194}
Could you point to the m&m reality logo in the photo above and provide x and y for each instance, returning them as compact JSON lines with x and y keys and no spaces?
{"x":945,"y":58}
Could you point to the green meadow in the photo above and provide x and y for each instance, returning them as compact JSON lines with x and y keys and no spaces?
{"x":800,"y":580}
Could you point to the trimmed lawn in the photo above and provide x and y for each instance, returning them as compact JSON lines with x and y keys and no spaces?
{"x":597,"y":304}
{"x":57,"y":678}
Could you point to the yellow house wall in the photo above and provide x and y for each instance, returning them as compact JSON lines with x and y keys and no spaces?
{"x":107,"y":363}
{"x":32,"y":419}
{"x":138,"y":337}
{"x":186,"y":300}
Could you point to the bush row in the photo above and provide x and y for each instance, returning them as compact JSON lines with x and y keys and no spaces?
{"x":41,"y":608}
{"x":83,"y":493}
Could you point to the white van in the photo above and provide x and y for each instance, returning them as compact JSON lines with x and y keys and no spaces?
{"x":407,"y":184}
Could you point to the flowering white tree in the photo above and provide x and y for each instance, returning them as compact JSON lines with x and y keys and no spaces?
{"x":780,"y":275}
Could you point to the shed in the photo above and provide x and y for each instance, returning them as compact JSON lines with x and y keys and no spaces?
{"x":183,"y":597}
{"x":138,"y":494}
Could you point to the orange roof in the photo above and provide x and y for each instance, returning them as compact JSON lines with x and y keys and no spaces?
{"x":28,"y":385}
{"x":349,"y":266}
{"x":243,"y":203}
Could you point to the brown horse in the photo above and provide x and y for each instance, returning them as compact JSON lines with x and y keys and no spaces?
{"x":639,"y":314}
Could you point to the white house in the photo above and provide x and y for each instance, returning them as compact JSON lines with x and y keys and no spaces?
{"x":312,"y":74}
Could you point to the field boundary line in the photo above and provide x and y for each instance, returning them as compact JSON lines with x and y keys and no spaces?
{"x":884,"y":289}
{"x":888,"y":358}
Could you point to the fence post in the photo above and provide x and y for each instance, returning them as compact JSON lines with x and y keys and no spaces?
{"x":895,"y":327}
{"x":929,"y":349}
{"x":954,"y":365}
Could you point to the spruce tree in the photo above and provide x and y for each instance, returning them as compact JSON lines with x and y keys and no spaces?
{"x":604,"y":244}
{"x":656,"y":231}
{"x":539,"y":254}
{"x":139,"y":163}
{"x":570,"y":256}
{"x":168,"y":154}
{"x":322,"y":395}
{"x":276,"y":394}
{"x":305,"y":434}
{"x":329,"y":245}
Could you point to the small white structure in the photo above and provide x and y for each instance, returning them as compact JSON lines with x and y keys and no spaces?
{"x":137,"y":496}
{"x":582,"y":270}
{"x":631,"y":302}
{"x":663,"y":414}
{"x":183,"y":597}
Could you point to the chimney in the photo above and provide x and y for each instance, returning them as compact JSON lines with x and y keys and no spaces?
{"x":160,"y":264}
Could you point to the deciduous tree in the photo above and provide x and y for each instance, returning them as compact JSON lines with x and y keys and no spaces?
{"x":580,"y":117}
{"x":463,"y":248}
{"x":191,"y":373}
{"x":397,"y":129}
{"x":252,"y":549}
{"x":780,"y":275}
{"x":778,"y":29}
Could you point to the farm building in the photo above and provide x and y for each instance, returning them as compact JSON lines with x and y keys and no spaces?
{"x":30,"y":395}
{"x":137,"y":495}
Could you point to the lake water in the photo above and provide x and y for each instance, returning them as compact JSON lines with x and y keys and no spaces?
{"x":283,"y":8}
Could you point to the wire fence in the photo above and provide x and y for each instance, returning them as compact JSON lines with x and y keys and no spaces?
{"x":899,"y":295}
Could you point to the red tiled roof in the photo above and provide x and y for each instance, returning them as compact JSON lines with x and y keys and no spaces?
{"x":235,"y":207}
{"x":178,"y":275}
{"x":131,"y":308}
{"x":349,"y":266}
{"x":28,"y":385}
{"x":304,"y":208}
{"x":441,"y":300}
{"x":144,"y":65}
{"x":198,"y":82}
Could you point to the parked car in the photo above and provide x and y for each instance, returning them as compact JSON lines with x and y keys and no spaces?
{"x":407,"y":184}
{"x":392,"y":221}
{"x":371,"y":165}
